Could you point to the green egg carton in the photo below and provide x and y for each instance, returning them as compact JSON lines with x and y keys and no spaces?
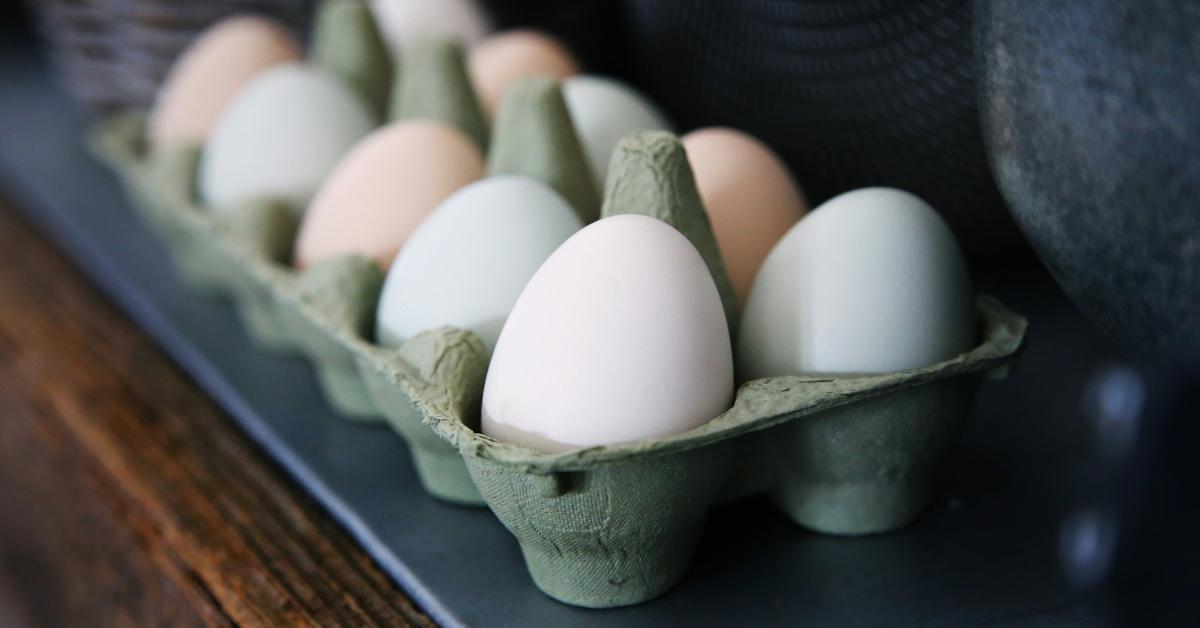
{"x":599,"y":526}
{"x":611,"y":526}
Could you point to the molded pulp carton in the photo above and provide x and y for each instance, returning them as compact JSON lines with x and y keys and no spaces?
{"x":600,"y":526}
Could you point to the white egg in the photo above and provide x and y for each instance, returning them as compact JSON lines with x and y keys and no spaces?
{"x":604,"y":111}
{"x":280,"y":136}
{"x":467,"y":263}
{"x":403,"y":21}
{"x":870,"y":282}
{"x":620,"y":336}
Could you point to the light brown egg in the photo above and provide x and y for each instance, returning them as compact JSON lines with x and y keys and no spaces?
{"x":751,"y":198}
{"x":502,"y":59}
{"x":211,"y":72}
{"x":383,"y":188}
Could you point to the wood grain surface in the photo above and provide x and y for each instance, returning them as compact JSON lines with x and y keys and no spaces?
{"x":128,"y":498}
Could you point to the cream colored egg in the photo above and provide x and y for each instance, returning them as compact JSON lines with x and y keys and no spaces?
{"x":403,"y":21}
{"x":210,"y":73}
{"x":384,"y":188}
{"x":504,"y":58}
{"x":603,"y":111}
{"x":749,"y":194}
{"x":871,"y":281}
{"x":619,"y":336}
{"x":467,"y":263}
{"x":280,"y":137}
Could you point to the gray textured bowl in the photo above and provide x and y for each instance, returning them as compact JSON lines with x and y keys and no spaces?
{"x":1089,"y":111}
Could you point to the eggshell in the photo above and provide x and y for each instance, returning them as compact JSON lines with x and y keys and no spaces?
{"x":384,"y":188}
{"x":604,"y":111}
{"x":872,"y":281}
{"x":619,"y":336}
{"x":280,"y":137}
{"x":210,"y":73}
{"x":749,"y":194}
{"x":404,"y":21}
{"x":502,"y":59}
{"x":467,"y":263}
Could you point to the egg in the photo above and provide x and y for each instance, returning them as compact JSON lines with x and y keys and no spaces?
{"x":619,"y":336}
{"x":872,"y":281}
{"x":467,"y":263}
{"x":386,"y":185}
{"x":210,"y":73}
{"x":404,"y":21}
{"x":604,"y":111}
{"x":280,"y":137}
{"x":500,"y":60}
{"x":749,"y":194}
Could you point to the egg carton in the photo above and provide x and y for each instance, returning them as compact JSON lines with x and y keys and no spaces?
{"x":604,"y":526}
{"x":598,"y":526}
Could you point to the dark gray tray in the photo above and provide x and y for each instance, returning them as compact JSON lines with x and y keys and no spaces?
{"x":986,"y":553}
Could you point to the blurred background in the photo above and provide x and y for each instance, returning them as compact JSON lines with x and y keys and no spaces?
{"x":1060,"y":141}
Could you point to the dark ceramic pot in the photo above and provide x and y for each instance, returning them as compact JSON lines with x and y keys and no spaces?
{"x":1091,"y":112}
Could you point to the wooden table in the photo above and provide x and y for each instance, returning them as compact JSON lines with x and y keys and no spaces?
{"x":128,"y":498}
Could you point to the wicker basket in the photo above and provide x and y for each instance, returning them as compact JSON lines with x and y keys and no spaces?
{"x":112,"y":54}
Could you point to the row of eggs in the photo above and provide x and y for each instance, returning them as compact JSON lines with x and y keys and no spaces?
{"x":601,"y":334}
